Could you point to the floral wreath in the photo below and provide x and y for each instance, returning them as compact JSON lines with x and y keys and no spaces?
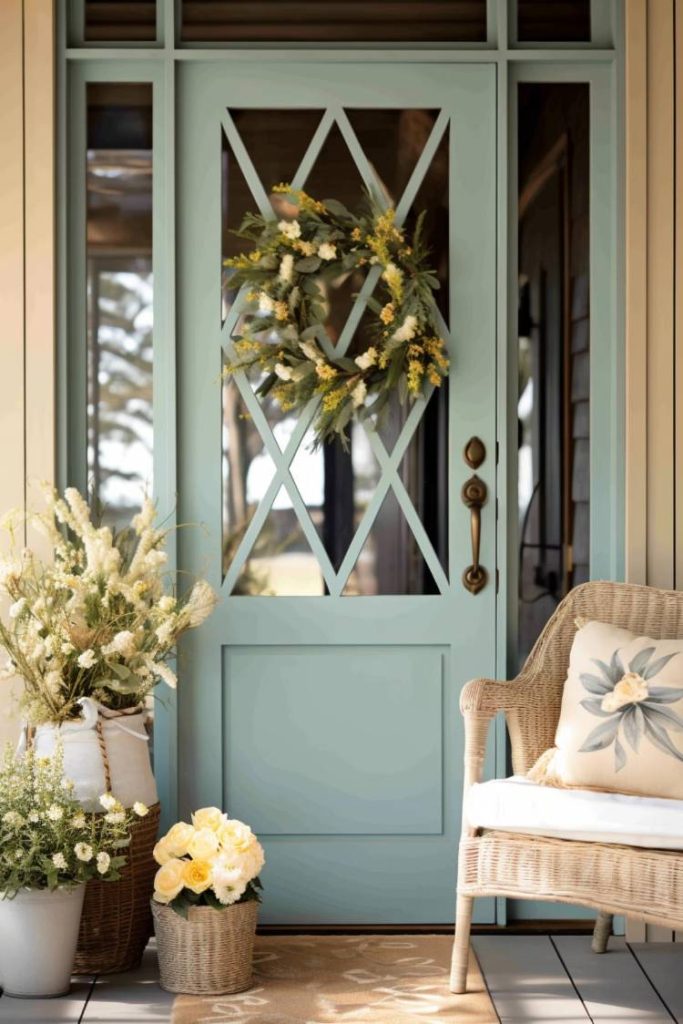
{"x":286,"y":276}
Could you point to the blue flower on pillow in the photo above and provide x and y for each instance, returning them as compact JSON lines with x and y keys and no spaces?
{"x":630,"y":706}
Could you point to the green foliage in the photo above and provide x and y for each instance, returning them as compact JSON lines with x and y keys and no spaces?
{"x":46,"y":839}
{"x":286,"y":277}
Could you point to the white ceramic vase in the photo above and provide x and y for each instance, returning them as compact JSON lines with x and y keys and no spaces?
{"x":38,"y":936}
{"x":127,"y":748}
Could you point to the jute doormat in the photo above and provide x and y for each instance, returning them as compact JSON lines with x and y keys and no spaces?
{"x":373,"y":979}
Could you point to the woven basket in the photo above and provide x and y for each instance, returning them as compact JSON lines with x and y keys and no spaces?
{"x":208,"y":954}
{"x":116,"y":923}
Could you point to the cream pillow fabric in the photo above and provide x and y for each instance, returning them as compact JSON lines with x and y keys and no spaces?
{"x":621,"y":721}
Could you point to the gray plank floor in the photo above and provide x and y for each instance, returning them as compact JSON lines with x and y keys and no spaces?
{"x":553,"y":979}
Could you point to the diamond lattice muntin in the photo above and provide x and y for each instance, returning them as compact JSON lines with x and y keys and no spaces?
{"x":327,"y":521}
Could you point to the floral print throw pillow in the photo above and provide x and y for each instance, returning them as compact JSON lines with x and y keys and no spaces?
{"x":621,"y":721}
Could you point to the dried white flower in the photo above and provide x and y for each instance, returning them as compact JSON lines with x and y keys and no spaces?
{"x":284,"y":372}
{"x":290,"y":228}
{"x":55,"y":812}
{"x":59,"y":861}
{"x":87,"y":659}
{"x":406,"y":332}
{"x":367,"y":358}
{"x":327,"y":251}
{"x":286,"y":267}
{"x":359,"y":394}
{"x":84,"y":852}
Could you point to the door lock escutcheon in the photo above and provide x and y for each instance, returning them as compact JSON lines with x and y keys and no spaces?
{"x":474,"y":494}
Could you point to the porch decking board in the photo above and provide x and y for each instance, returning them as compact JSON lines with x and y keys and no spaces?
{"x":534,"y":978}
{"x":663,"y":964}
{"x":612,"y":987}
{"x":66,"y":1010}
{"x":527,"y":981}
{"x":136,"y":992}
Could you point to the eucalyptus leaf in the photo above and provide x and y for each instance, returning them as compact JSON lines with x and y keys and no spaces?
{"x":308,"y":265}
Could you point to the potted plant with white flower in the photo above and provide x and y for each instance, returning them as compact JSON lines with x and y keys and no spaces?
{"x":205,"y":905}
{"x":49,"y":848}
{"x":90,"y":631}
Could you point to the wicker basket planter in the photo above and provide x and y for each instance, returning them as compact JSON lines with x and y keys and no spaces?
{"x":116,"y":923}
{"x":210,"y":953}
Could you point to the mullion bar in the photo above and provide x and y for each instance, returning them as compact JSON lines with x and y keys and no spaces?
{"x":246,"y":166}
{"x":313,"y":151}
{"x":421,"y":167}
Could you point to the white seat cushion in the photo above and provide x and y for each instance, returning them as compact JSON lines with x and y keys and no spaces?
{"x":519,"y":805}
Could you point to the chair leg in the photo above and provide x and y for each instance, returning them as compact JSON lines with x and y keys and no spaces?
{"x":461,"y":945}
{"x":602,"y":932}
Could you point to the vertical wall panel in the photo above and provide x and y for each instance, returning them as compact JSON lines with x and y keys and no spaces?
{"x":27,"y":413}
{"x":660,"y":294}
{"x":636,"y":289}
{"x":678,"y":285}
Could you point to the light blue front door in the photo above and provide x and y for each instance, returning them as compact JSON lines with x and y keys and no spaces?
{"x":320,"y":702}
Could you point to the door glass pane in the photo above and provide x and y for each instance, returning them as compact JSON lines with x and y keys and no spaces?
{"x":560,"y":21}
{"x":113,"y":21}
{"x":119,"y":295}
{"x":355,"y":21}
{"x":553,"y":347}
{"x":336,"y":486}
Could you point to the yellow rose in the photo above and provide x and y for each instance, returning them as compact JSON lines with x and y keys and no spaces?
{"x":203,"y":845}
{"x":196,"y":875}
{"x":208,"y":817}
{"x":169,"y":880}
{"x":177,"y":839}
{"x":236,"y":835}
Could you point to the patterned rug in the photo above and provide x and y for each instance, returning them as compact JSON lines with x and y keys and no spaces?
{"x":370,"y":979}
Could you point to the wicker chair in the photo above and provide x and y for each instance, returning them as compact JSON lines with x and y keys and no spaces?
{"x":642,"y":883}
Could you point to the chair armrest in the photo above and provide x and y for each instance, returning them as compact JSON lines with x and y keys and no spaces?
{"x":488,"y":696}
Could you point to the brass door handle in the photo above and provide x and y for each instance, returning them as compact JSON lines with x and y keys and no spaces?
{"x":474,"y":493}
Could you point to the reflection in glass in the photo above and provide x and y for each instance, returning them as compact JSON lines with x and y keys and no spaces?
{"x":119,"y":296}
{"x":113,"y":21}
{"x":553,"y":350}
{"x":390,"y":561}
{"x":552,"y":21}
{"x":336,"y":486}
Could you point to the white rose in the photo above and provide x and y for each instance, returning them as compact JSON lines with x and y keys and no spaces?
{"x":203,"y":845}
{"x":327,"y":251}
{"x":290,"y":228}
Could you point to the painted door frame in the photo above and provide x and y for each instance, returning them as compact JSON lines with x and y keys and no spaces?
{"x":600,"y":64}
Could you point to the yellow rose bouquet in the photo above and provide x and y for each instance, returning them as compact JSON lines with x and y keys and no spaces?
{"x":213,"y":862}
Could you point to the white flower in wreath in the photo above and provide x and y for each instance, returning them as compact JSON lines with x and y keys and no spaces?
{"x":406,"y":332}
{"x":286,"y":267}
{"x":284,"y":372}
{"x":310,"y":351}
{"x":367,"y":359}
{"x":265,"y":303}
{"x":290,"y":228}
{"x":327,"y":251}
{"x":359,"y":394}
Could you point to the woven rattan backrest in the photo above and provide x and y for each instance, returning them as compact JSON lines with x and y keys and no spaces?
{"x":644,"y":610}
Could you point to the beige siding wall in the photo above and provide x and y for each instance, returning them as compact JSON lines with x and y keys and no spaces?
{"x":27,"y":209}
{"x":654,"y":301}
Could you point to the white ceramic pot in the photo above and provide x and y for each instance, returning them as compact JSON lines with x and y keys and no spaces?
{"x":38,"y":936}
{"x":127,"y":747}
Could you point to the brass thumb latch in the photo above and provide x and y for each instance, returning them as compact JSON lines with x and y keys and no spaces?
{"x":474,"y":493}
